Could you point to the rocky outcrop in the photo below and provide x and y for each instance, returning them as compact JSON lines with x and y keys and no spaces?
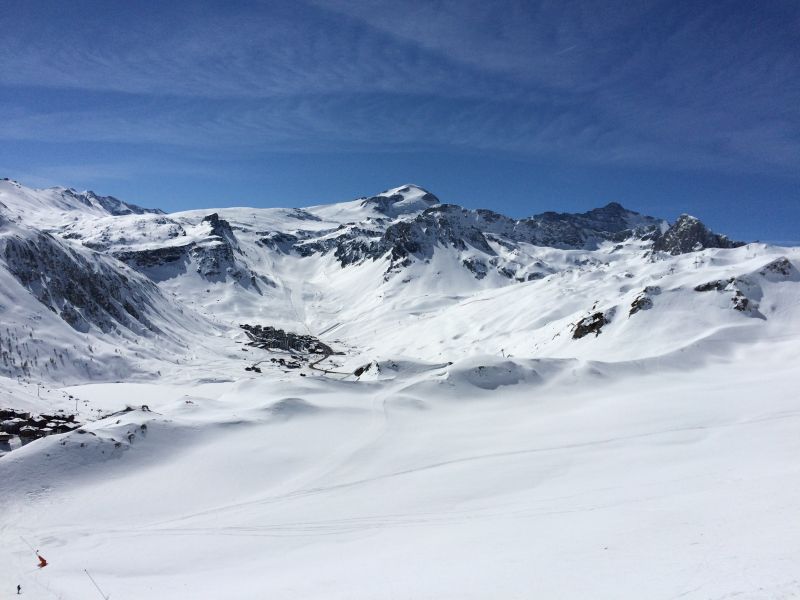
{"x":214,"y":258}
{"x":780,"y":269}
{"x":279,"y":241}
{"x":716,"y":285}
{"x":586,"y":230}
{"x":644,"y":301}
{"x":110,"y":204}
{"x":689,"y":234}
{"x":745,"y":292}
{"x":147,"y":259}
{"x":403,"y":241}
{"x":592,"y":324}
{"x":86,"y":289}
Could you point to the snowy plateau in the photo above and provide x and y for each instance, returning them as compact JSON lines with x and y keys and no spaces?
{"x":393,"y":398}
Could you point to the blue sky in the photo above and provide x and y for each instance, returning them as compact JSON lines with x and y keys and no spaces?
{"x":519,"y":106}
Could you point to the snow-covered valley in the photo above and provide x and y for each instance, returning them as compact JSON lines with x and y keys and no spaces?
{"x":599,"y":405}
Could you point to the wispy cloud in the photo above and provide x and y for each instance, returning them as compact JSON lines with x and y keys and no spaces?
{"x":696,"y":84}
{"x":665,"y":84}
{"x":221,"y":52}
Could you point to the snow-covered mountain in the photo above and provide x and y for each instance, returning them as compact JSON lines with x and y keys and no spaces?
{"x":354,"y":269}
{"x":343,"y":354}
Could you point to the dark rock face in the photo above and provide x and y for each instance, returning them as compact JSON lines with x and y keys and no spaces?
{"x":640,"y":303}
{"x":83,"y":292}
{"x":413,"y":223}
{"x":113,"y":206}
{"x":220,"y":228}
{"x":449,"y":226}
{"x":303,"y":215}
{"x":147,"y":259}
{"x":742,"y":303}
{"x":745,"y":290}
{"x":644,"y":301}
{"x":476,"y":267}
{"x":415,"y":238}
{"x":586,"y":230}
{"x":711,"y":286}
{"x":279,"y":241}
{"x":214,"y":261}
{"x":591,"y":324}
{"x":780,"y":269}
{"x":214,"y":257}
{"x":689,"y":234}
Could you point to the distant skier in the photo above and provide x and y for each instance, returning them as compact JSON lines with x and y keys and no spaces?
{"x":19,"y":590}
{"x":42,"y":561}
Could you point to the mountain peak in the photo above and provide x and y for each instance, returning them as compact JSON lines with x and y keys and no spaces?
{"x":406,"y":199}
{"x":110,"y":204}
{"x":690,"y":234}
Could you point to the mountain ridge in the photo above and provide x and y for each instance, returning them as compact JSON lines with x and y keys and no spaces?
{"x":338,"y":267}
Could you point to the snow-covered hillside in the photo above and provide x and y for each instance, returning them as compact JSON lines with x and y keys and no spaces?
{"x":393,"y":397}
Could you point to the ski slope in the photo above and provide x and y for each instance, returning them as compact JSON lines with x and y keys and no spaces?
{"x":583,"y":481}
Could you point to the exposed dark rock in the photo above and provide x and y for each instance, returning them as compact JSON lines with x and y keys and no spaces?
{"x":780,"y":269}
{"x":506,"y":272}
{"x":214,"y":257}
{"x":113,"y":206}
{"x":220,"y":228}
{"x":689,"y":234}
{"x":742,"y":303}
{"x":718,"y":285}
{"x":147,"y":259}
{"x":644,"y":301}
{"x":641,"y":302}
{"x":394,"y":204}
{"x":84,"y":290}
{"x":745,"y":293}
{"x":586,"y":230}
{"x":303,"y":215}
{"x":279,"y":242}
{"x":591,"y":324}
{"x":450,"y":226}
{"x":476,"y":266}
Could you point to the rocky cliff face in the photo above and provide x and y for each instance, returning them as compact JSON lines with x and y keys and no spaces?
{"x":689,"y":234}
{"x":84,"y":288}
{"x":215,"y":255}
{"x":413,"y":228}
{"x":110,"y":204}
